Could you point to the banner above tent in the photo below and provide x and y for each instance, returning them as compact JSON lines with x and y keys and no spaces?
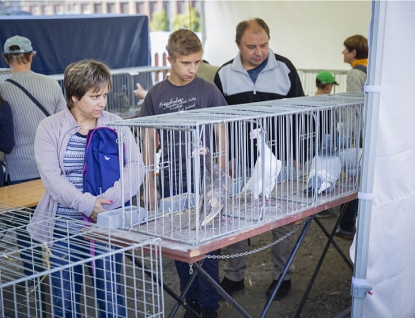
{"x":118,"y":40}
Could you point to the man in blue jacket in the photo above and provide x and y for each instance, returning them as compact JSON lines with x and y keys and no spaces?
{"x":257,"y":74}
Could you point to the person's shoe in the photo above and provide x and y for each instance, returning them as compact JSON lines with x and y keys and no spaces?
{"x":282,"y":291}
{"x":231,"y":287}
{"x":209,"y":313}
{"x":195,"y":306}
{"x":344,"y":234}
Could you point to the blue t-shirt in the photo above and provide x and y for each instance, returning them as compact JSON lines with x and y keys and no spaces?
{"x":253,"y":74}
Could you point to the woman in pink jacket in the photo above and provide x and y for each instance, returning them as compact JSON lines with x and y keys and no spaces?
{"x":59,"y":149}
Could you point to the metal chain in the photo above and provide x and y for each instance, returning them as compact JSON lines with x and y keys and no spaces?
{"x":259,"y":249}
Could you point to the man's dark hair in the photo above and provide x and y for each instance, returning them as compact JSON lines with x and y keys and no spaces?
{"x":242,"y":26}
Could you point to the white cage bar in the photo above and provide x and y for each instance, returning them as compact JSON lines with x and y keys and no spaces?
{"x":316,"y":136}
{"x":139,"y":261}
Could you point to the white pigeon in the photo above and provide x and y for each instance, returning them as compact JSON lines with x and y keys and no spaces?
{"x":325,"y":169}
{"x":216,"y":187}
{"x":263,"y":179}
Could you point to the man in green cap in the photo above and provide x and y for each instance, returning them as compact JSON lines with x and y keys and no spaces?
{"x":324,"y":83}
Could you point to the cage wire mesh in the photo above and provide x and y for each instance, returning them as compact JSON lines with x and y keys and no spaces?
{"x":278,"y":158}
{"x":83,"y":272}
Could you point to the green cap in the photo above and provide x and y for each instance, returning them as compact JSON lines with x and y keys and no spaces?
{"x":326,"y":78}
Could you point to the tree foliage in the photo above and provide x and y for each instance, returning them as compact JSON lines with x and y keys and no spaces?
{"x":189,"y":20}
{"x":159,"y":21}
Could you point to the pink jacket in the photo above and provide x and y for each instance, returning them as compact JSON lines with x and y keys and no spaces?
{"x":51,"y":140}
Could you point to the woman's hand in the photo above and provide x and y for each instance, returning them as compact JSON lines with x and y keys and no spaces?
{"x":98,"y":208}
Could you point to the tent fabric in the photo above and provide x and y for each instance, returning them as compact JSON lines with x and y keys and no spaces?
{"x":391,"y":250}
{"x":309,"y":33}
{"x":118,"y":40}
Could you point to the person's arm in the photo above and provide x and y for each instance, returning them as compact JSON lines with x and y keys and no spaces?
{"x":6,"y":128}
{"x":220,"y":129}
{"x":140,"y":92}
{"x":151,"y":196}
{"x":220,"y":139}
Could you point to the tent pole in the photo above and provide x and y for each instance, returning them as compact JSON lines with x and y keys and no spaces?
{"x":360,"y":287}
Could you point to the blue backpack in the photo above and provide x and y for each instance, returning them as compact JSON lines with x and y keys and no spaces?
{"x":101,"y":165}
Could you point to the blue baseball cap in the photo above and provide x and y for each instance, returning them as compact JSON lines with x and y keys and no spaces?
{"x":24,"y":45}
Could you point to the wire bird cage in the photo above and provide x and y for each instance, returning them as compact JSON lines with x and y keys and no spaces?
{"x":135,"y":289}
{"x":278,"y":158}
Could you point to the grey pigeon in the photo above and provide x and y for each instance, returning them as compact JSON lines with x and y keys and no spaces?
{"x":216,"y":187}
{"x":272,"y":167}
{"x":325,"y":169}
{"x":350,"y":157}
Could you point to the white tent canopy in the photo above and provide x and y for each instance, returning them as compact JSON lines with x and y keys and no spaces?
{"x":385,"y":245}
{"x":311,"y":35}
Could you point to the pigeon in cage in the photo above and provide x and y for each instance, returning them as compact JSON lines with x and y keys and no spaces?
{"x":325,"y":169}
{"x":272,"y":167}
{"x":350,"y":157}
{"x":216,"y":187}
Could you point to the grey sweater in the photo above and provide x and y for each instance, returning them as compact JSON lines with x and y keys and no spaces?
{"x":21,"y":163}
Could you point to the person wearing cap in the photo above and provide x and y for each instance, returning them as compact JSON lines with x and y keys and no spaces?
{"x":20,"y":162}
{"x":324,"y":83}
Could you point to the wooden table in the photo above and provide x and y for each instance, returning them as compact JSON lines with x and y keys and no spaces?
{"x":26,"y":194}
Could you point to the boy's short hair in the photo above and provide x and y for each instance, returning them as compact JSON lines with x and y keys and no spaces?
{"x":242,"y":26}
{"x":358,"y":43}
{"x":183,"y":42}
{"x":80,"y":77}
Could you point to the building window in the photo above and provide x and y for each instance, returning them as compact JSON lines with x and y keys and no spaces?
{"x":139,"y":7}
{"x":196,"y":5}
{"x":124,"y":7}
{"x":153,"y":7}
{"x":110,"y":8}
{"x":181,"y":6}
{"x":98,"y":7}
{"x":58,"y":8}
{"x":166,"y":7}
{"x":85,"y":8}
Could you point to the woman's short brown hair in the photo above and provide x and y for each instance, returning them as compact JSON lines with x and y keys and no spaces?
{"x":81,"y":76}
{"x":358,"y":43}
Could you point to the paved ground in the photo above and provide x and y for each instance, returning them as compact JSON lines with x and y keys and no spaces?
{"x":329,"y":296}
